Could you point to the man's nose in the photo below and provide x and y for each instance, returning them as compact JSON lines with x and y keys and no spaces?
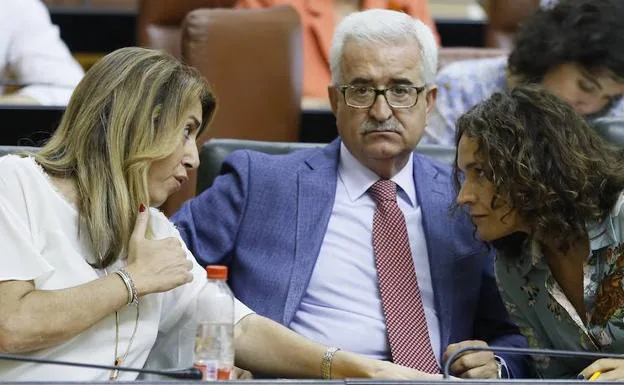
{"x":380,"y":110}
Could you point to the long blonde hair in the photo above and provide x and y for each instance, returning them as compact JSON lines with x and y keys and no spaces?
{"x":122,"y":116}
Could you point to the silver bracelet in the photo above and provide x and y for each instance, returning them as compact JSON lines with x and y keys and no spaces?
{"x":326,"y":362}
{"x":133,"y":295}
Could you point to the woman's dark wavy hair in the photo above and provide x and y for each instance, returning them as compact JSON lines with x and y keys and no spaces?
{"x":545,"y":160}
{"x":587,"y":32}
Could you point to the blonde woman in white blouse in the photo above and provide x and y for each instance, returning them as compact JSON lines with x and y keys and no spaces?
{"x":91,"y":271}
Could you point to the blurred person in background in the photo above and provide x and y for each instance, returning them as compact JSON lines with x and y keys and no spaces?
{"x":503,"y":20}
{"x":547,"y":193}
{"x":574,"y":49}
{"x":33,"y":56}
{"x":319,"y":19}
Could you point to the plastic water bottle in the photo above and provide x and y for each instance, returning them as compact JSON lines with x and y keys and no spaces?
{"x":214,"y":340}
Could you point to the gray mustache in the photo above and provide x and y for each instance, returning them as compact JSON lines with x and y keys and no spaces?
{"x":372,"y":126}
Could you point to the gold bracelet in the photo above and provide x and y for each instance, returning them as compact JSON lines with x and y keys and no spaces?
{"x":326,"y":362}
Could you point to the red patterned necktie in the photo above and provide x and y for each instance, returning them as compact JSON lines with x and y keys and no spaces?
{"x":400,"y":296}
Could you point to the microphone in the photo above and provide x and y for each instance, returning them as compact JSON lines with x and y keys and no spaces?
{"x":183,"y":374}
{"x":525,"y":351}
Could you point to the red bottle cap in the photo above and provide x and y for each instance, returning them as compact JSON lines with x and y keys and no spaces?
{"x":217,"y":271}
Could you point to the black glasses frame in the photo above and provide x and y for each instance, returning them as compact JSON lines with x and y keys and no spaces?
{"x":343,"y":88}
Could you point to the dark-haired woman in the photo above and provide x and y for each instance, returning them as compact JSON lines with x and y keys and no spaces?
{"x":547,"y":193}
{"x":574,"y":49}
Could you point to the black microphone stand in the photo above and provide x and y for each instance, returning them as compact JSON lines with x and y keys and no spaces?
{"x":184,"y":374}
{"x":525,"y":351}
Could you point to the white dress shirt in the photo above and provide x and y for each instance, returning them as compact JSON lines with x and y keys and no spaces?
{"x":342,"y":305}
{"x":32,"y":50}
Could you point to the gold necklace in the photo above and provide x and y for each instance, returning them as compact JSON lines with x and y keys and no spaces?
{"x":118,"y":361}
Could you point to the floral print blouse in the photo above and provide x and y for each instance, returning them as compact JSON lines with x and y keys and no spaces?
{"x":546,"y":317}
{"x":465,"y":83}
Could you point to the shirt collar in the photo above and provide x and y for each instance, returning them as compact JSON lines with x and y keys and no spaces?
{"x":604,"y":234}
{"x":358,"y":178}
{"x":618,"y":205}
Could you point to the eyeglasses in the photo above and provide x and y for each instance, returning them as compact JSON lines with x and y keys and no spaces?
{"x":397,"y":96}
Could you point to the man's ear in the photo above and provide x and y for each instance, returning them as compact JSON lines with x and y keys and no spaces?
{"x":333,"y":93}
{"x":432,"y":93}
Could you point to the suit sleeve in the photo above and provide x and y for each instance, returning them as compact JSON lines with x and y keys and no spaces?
{"x":493,"y":324}
{"x":209,"y":223}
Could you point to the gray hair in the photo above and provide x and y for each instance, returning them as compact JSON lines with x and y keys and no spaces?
{"x":384,"y":27}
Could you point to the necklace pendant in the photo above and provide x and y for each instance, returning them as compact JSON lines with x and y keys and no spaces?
{"x":115,"y":373}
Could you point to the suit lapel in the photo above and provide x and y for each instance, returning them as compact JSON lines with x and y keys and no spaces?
{"x":316,"y":192}
{"x":432,"y":194}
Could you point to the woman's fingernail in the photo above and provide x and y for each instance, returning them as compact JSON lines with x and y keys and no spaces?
{"x":580,"y":376}
{"x":141,"y":208}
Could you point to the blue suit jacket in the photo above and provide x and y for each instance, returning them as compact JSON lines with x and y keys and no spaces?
{"x":266,"y":216}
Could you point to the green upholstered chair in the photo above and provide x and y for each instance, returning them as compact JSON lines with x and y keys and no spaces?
{"x":215,"y":151}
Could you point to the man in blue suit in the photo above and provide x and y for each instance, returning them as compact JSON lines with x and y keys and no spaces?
{"x":297,"y":230}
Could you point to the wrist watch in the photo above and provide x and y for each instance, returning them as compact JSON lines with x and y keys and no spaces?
{"x":501,"y":368}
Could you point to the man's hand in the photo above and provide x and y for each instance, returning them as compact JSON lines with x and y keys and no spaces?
{"x":612,"y":369}
{"x":472,"y":364}
{"x":241,"y":374}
